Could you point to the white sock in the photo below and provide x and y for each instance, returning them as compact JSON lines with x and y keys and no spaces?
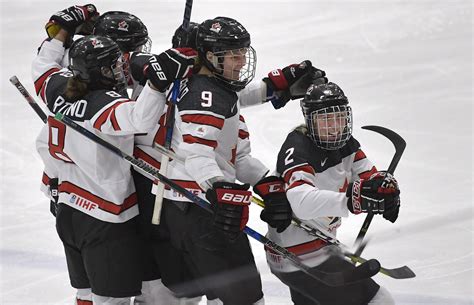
{"x":100,"y":300}
{"x":156,"y":293}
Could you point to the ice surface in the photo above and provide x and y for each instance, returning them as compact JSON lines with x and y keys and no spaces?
{"x":406,"y":65}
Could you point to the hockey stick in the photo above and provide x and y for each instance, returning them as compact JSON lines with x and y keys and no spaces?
{"x":366,"y":270}
{"x":400,"y":145}
{"x":169,"y":129}
{"x":14,"y":80}
{"x":403,"y":272}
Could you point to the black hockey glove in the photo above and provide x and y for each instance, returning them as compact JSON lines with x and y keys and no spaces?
{"x":292,"y":82}
{"x":75,"y":20}
{"x":277,"y":212}
{"x":379,"y":194}
{"x":172,"y":64}
{"x":230,"y":202}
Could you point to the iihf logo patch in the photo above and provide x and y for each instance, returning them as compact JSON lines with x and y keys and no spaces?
{"x":123,"y":26}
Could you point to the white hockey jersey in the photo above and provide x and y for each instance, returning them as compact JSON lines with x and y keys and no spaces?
{"x":91,"y":178}
{"x":233,"y":156}
{"x":316,"y":181}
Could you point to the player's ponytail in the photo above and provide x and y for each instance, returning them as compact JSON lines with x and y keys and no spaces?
{"x":75,"y":89}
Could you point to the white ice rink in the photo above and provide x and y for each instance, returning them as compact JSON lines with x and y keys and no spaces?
{"x":406,"y":65}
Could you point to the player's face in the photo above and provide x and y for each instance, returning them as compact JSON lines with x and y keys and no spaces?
{"x":234,"y":61}
{"x":330,"y":126}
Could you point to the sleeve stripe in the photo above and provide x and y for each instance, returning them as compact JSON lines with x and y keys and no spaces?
{"x":140,"y":154}
{"x":192,"y":140}
{"x":203,"y":119}
{"x":160,"y":135}
{"x":105,"y":115}
{"x":241,"y":118}
{"x":304,"y":168}
{"x":367,"y":174}
{"x":45,"y":179}
{"x":40,"y":81}
{"x":298,"y":183}
{"x":359,"y":155}
{"x":243,"y":134}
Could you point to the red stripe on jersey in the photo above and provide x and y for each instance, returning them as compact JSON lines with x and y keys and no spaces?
{"x":105,"y":115}
{"x":45,"y":179}
{"x":103,"y":204}
{"x":189,"y":185}
{"x":203,"y":119}
{"x":359,"y":155}
{"x":307,"y":247}
{"x":298,"y":183}
{"x":243,"y":134}
{"x":367,"y":174}
{"x":140,"y":154}
{"x":160,"y":136}
{"x":302,"y":168}
{"x":114,"y":121}
{"x":192,"y":139}
{"x":40,"y":81}
{"x":241,"y":118}
{"x":301,"y":249}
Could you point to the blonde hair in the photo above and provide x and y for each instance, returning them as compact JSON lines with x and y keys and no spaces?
{"x":75,"y":89}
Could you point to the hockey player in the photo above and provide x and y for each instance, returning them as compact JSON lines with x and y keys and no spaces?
{"x":327,"y":175}
{"x":96,"y":218}
{"x":210,"y":136}
{"x":131,"y":35}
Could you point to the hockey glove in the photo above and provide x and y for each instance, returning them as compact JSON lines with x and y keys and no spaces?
{"x":379,"y":194}
{"x":277,"y":212}
{"x":172,"y":64}
{"x":75,"y":20}
{"x":230,"y":202}
{"x":292,"y":82}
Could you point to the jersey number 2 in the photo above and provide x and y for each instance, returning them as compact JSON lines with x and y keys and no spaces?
{"x":289,"y":152}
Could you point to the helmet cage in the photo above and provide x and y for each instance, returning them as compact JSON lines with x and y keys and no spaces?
{"x":235,"y":67}
{"x":331,"y":127}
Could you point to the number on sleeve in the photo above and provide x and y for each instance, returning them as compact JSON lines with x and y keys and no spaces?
{"x":289,"y":152}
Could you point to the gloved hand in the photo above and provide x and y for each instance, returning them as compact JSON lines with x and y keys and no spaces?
{"x":292,"y":82}
{"x":75,"y":20}
{"x":230,"y":202}
{"x":172,"y":64}
{"x":380,"y":194}
{"x":277,"y":212}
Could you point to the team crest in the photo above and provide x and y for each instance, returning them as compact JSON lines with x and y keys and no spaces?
{"x":123,"y":26}
{"x":97,"y":43}
{"x":216,"y":27}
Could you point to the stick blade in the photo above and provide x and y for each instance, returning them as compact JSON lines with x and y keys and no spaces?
{"x":400,"y":273}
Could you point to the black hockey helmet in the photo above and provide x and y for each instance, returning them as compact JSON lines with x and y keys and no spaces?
{"x":223,"y":36}
{"x":97,"y":61}
{"x":327,"y":115}
{"x":185,"y":38}
{"x":127,"y":30}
